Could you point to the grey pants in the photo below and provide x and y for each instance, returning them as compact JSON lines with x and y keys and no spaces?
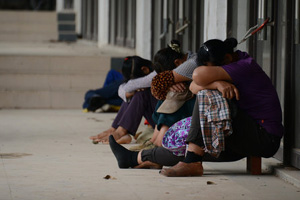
{"x":161,"y":156}
{"x":130,"y":114}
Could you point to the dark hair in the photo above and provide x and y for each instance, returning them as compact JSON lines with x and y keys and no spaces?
{"x":214,"y":51}
{"x":132,"y":67}
{"x":164,"y":58}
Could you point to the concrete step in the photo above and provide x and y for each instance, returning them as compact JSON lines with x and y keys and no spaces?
{"x":49,"y":81}
{"x":38,"y":72}
{"x":43,"y":64}
{"x":53,"y":82}
{"x":30,"y":26}
{"x":41,"y":99}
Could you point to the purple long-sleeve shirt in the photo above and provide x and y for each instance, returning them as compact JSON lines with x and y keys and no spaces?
{"x":258,"y":97}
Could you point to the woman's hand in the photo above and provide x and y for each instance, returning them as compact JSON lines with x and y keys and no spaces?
{"x":178,"y":87}
{"x":141,"y":89}
{"x":227,"y":89}
{"x":129,"y":94}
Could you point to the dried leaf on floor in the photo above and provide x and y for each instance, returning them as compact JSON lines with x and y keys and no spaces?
{"x":109,"y":177}
{"x":210,"y":183}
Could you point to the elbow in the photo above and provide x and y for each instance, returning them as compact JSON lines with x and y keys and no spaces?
{"x":199,"y":76}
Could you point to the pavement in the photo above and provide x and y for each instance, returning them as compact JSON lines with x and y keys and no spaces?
{"x":47,"y":154}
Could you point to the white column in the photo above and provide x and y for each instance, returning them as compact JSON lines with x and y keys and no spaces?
{"x":143,"y":28}
{"x":77,"y":9}
{"x":215,"y":19}
{"x":242,"y":23}
{"x":59,"y":5}
{"x":103,"y":22}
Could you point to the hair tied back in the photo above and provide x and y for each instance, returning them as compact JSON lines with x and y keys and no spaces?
{"x":175,"y":47}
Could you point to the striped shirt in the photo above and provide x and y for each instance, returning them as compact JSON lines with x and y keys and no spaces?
{"x":215,"y":120}
{"x":186,"y":69}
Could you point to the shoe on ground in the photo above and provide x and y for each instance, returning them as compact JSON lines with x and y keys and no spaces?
{"x":95,"y":103}
{"x":108,"y":108}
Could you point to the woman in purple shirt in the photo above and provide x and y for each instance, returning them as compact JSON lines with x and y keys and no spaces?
{"x":256,"y":124}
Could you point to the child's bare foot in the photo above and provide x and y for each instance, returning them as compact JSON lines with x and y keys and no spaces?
{"x":126,"y":139}
{"x":121,"y":137}
{"x":103,"y":134}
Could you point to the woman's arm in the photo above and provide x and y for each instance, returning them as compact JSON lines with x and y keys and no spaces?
{"x":127,"y":90}
{"x":179,"y":78}
{"x":204,"y":75}
{"x":214,"y":77}
{"x":227,"y":89}
{"x":138,"y":83}
{"x":184,"y":71}
{"x":122,"y":93}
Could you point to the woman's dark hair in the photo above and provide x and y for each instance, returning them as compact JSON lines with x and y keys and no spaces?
{"x":215,"y":50}
{"x":164,"y":58}
{"x":132,"y":67}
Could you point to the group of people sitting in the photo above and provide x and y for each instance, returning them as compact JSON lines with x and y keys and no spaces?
{"x":216,"y":105}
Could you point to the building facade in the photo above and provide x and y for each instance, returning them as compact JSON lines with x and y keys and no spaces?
{"x":148,"y":25}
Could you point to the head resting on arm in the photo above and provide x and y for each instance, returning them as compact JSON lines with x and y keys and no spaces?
{"x":214,"y":51}
{"x":168,"y":58}
{"x":210,"y":56}
{"x":136,"y":67}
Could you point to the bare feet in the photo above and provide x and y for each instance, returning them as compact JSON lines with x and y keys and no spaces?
{"x":184,"y":169}
{"x":148,"y":165}
{"x":119,"y":137}
{"x":104,"y":134}
{"x":126,"y":139}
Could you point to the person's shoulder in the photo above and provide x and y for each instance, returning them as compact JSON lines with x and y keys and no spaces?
{"x":153,"y":73}
{"x":245,"y":59}
{"x":192,"y":55}
{"x":191,"y":60}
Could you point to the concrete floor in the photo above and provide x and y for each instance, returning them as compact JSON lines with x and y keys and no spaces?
{"x":46,"y":154}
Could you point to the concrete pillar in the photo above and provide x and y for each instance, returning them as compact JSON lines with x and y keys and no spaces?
{"x":103,"y":22}
{"x":77,"y":9}
{"x":215,"y":19}
{"x":59,"y":5}
{"x":143,"y":28}
{"x":242,"y":22}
